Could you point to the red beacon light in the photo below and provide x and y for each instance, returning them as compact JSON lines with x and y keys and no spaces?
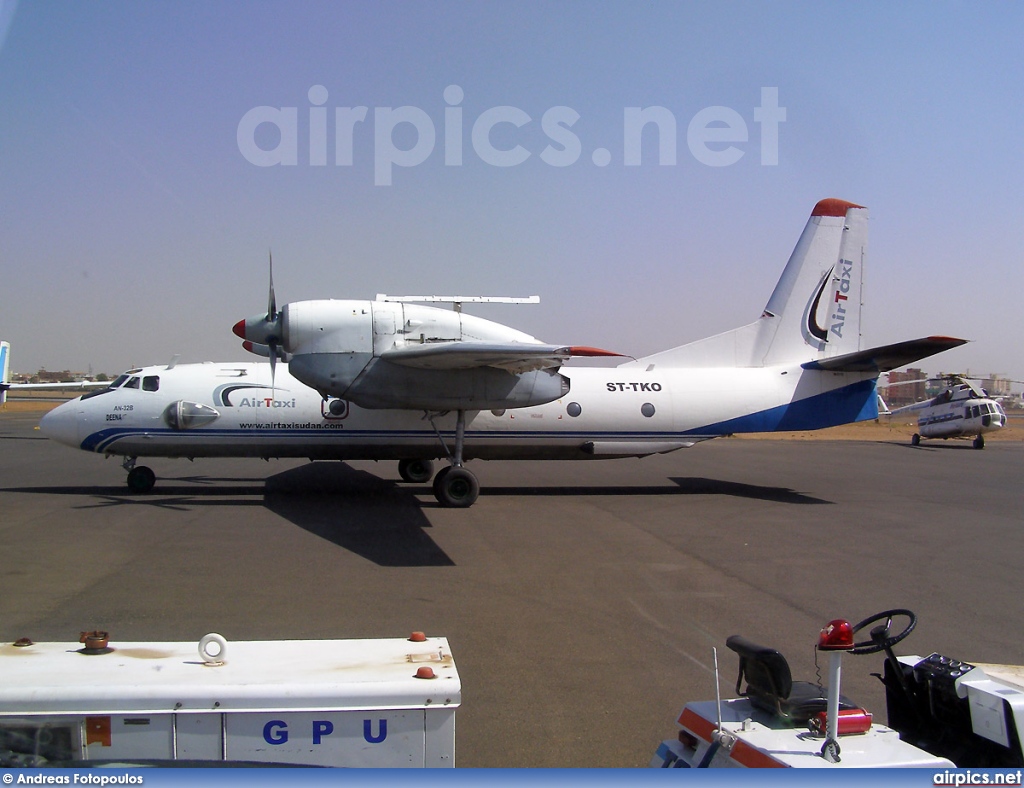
{"x":836,"y":636}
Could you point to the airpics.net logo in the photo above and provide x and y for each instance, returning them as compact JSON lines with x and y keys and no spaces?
{"x":715,"y":136}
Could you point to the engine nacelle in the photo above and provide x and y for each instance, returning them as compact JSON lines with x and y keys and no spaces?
{"x":377,"y":326}
{"x":335,"y":347}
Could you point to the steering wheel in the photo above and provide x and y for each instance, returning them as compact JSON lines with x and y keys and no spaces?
{"x":880,"y":637}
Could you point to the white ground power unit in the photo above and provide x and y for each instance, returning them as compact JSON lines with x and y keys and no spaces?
{"x":351,"y":703}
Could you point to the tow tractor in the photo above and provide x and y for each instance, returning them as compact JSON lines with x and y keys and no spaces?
{"x":941,"y":712}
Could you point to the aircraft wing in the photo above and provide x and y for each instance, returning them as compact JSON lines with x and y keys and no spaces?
{"x":886,"y":357}
{"x":78,"y":384}
{"x":514,"y":357}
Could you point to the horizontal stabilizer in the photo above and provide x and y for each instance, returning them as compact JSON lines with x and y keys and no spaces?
{"x":514,"y":357}
{"x":887,"y":357}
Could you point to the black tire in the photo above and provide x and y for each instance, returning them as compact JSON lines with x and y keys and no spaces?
{"x":915,"y":440}
{"x":141,"y":479}
{"x":416,"y":471}
{"x":439,"y":480}
{"x":456,"y":488}
{"x":979,"y":442}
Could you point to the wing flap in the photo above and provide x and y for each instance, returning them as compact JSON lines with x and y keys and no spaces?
{"x":513,"y":357}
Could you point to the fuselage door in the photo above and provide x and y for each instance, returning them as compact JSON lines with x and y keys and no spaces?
{"x":386,"y":316}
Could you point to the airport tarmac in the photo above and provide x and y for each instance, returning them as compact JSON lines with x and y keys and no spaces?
{"x":581,"y":600}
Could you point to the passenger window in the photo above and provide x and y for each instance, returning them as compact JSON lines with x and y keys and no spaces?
{"x":132,"y":384}
{"x":151,"y":383}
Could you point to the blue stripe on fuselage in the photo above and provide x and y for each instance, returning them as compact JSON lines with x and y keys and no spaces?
{"x":857,"y":402}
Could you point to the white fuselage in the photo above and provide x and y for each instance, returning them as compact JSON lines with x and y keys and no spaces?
{"x":961,"y":417}
{"x":233,"y":410}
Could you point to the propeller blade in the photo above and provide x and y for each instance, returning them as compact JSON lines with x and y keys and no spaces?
{"x":271,"y":300}
{"x":263,"y":334}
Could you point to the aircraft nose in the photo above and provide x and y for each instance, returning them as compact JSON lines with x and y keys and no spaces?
{"x":61,"y":424}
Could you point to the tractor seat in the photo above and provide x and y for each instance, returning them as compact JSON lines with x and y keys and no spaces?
{"x":770,"y":684}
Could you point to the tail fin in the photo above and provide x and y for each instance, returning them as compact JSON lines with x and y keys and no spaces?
{"x":5,"y":370}
{"x":814,"y":311}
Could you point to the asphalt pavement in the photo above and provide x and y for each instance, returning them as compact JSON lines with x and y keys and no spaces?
{"x":581,"y":599}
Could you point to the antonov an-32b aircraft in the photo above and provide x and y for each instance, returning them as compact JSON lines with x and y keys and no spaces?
{"x":402,"y":381}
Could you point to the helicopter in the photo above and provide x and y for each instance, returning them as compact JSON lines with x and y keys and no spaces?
{"x":961,"y":410}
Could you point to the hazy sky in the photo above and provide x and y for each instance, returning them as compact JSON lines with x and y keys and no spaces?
{"x":136,"y":218}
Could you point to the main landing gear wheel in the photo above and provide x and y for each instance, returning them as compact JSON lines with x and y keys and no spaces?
{"x":456,"y":487}
{"x":881,"y":640}
{"x":141,"y":479}
{"x":979,"y":442}
{"x":915,"y":440}
{"x":416,"y":471}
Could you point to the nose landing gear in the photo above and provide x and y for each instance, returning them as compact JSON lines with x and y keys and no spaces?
{"x":140,"y":477}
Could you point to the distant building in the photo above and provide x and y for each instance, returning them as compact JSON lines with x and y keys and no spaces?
{"x":64,"y":376}
{"x":912,"y":388}
{"x":43,"y":376}
{"x":997,"y":385}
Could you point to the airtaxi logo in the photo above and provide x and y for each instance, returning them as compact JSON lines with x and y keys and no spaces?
{"x":716,"y":136}
{"x":841,"y":296}
{"x":266,"y":402}
{"x":835,"y":306}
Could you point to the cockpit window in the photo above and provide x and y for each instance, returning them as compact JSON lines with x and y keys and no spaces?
{"x":132,"y":384}
{"x":151,"y":383}
{"x":116,"y":383}
{"x":92,"y":394}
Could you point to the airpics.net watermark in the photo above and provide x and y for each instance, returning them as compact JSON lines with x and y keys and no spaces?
{"x":714,"y":135}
